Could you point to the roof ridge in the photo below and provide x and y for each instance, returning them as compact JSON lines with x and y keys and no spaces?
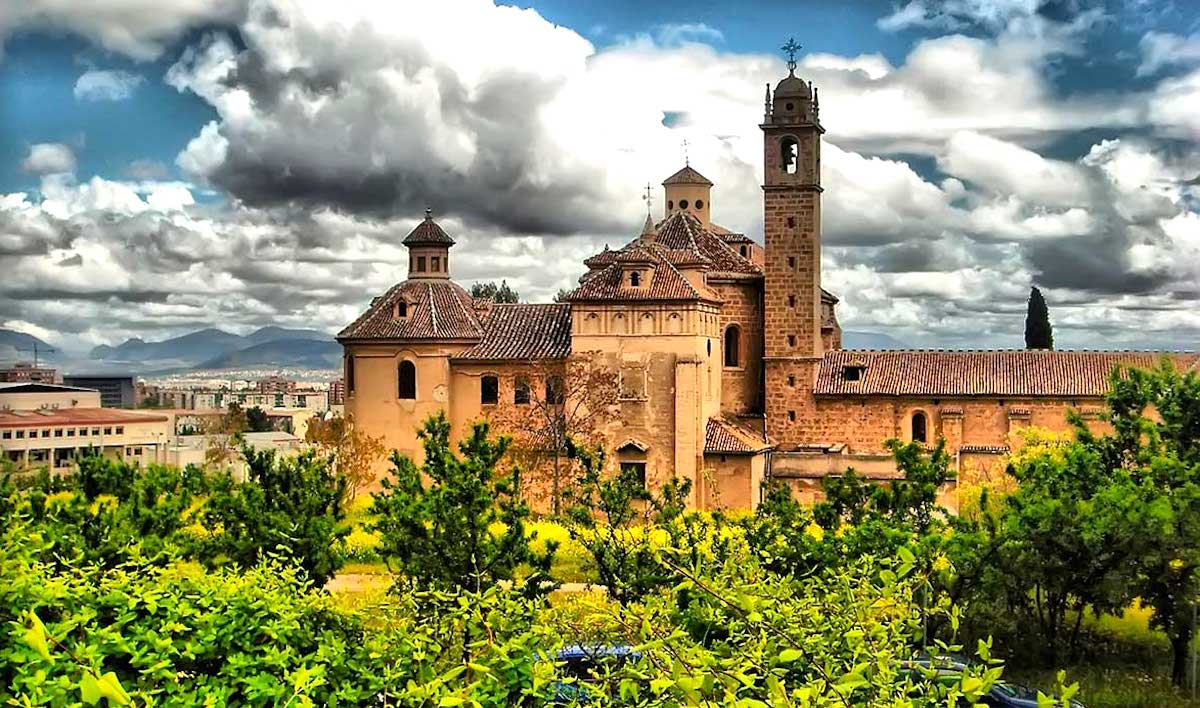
{"x":432,"y":308}
{"x":682,"y":277}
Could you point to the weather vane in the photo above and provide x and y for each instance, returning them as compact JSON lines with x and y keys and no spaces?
{"x":647,"y":198}
{"x":790,"y":49}
{"x":685,"y":153}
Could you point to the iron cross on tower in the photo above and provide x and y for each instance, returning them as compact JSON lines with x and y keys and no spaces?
{"x":790,"y":49}
{"x":647,"y":198}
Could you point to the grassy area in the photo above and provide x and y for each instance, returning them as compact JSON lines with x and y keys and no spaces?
{"x":1129,"y":666}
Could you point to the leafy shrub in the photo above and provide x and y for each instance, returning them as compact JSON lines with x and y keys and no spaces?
{"x":465,"y":528}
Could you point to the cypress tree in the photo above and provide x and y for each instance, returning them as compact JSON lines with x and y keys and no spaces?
{"x":1038,"y":333}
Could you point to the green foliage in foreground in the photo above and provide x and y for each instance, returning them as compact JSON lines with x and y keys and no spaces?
{"x":732,"y":633}
{"x":456,"y":521}
{"x":110,"y":513}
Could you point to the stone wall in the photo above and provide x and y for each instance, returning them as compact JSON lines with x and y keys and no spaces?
{"x":741,"y":385}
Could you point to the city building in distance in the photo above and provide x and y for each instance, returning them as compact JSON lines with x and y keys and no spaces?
{"x":115,"y":391}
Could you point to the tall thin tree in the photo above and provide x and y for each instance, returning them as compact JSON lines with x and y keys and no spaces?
{"x":1038,"y":332}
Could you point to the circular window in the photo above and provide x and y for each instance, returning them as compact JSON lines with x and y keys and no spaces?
{"x":683,"y":204}
{"x":670,"y":205}
{"x":699,"y":203}
{"x":789,"y":106}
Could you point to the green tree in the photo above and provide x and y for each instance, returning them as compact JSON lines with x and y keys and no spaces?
{"x":495,"y":293}
{"x":1038,"y":332}
{"x":288,"y":507}
{"x":610,"y":518}
{"x":257,"y":420}
{"x":1155,"y":417}
{"x":458,"y":521}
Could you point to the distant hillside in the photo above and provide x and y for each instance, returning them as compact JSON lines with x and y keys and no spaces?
{"x":199,"y":348}
{"x":870,"y":340}
{"x":18,"y":346}
{"x":301,"y":353}
{"x":195,"y":346}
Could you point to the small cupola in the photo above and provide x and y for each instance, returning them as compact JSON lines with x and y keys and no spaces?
{"x":688,"y":190}
{"x":795,"y":100}
{"x":428,"y":250}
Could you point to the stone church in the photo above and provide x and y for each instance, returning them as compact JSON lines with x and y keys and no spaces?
{"x":726,"y":355}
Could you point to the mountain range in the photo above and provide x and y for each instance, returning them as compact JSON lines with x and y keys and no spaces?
{"x":217,"y":349}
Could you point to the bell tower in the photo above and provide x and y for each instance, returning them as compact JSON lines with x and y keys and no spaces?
{"x":792,"y":232}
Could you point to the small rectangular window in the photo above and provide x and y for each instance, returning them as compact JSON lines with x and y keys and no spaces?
{"x":791,"y":262}
{"x":792,"y":381}
{"x":637,"y":470}
{"x":554,"y":390}
{"x":791,"y":340}
{"x":58,"y":432}
{"x":420,"y":264}
{"x":852,"y":373}
{"x":791,"y":222}
{"x":20,"y":434}
{"x":489,"y":390}
{"x":791,"y":416}
{"x":95,"y":431}
{"x":7,"y":435}
{"x":70,"y":432}
{"x":45,"y":433}
{"x":120,"y":430}
{"x":108,"y":431}
{"x":791,"y":300}
{"x":435,"y":264}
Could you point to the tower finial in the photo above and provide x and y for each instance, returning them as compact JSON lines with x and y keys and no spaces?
{"x":647,"y":198}
{"x":685,"y":153}
{"x":429,"y":213}
{"x":790,"y":49}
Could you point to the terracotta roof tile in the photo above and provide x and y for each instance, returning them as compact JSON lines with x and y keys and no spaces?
{"x":981,"y":373}
{"x":723,"y":436}
{"x":523,"y":332}
{"x":437,"y":309}
{"x":666,"y":282}
{"x":428,"y":232}
{"x":687,"y":175}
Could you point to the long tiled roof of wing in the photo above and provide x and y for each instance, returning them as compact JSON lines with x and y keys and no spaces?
{"x":435,"y":309}
{"x":725,"y":436}
{"x":523,"y":332}
{"x":1011,"y":373}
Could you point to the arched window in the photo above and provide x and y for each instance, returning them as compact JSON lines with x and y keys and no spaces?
{"x":489,"y":390}
{"x":554,"y":390}
{"x":521,"y":391}
{"x":733,"y":341}
{"x":406,"y":380}
{"x":788,"y":157}
{"x":635,"y":279}
{"x":920,"y":425}
{"x":401,"y":309}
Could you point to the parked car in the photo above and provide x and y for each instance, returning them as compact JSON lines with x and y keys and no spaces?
{"x":1004,"y":694}
{"x":585,"y":662}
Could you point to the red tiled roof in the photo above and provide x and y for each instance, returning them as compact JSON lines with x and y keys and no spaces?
{"x":51,"y":417}
{"x":437,"y":309}
{"x":523,"y":332}
{"x":666,"y":283}
{"x":687,"y":176}
{"x":981,"y":373}
{"x":723,"y":436}
{"x":428,"y":233}
{"x":682,"y":231}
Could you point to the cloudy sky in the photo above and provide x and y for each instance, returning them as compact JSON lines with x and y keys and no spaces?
{"x":167,"y":165}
